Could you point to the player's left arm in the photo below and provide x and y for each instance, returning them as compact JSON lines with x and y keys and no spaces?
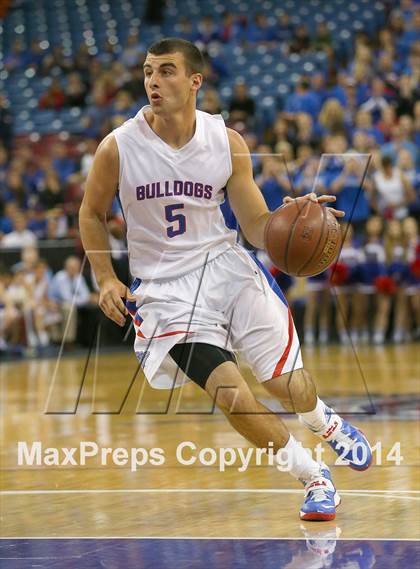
{"x":245,"y":197}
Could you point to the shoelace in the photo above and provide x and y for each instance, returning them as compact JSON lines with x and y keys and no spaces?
{"x":318,"y":493}
{"x":345,"y":438}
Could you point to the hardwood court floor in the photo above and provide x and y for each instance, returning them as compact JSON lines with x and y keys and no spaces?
{"x":175,"y":500}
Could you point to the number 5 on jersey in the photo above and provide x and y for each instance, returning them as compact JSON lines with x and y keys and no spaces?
{"x":172,"y":231}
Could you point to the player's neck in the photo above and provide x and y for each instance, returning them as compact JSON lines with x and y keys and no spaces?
{"x":176,"y":130}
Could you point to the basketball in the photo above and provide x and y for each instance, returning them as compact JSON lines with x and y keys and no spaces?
{"x":302,"y":239}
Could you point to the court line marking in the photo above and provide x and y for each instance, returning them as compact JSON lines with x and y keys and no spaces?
{"x":126,"y":537}
{"x":397,"y":494}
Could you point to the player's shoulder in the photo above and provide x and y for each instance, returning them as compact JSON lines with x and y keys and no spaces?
{"x":236,"y":142}
{"x":108,"y":148}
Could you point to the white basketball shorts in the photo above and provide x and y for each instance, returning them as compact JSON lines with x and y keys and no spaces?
{"x":232,"y":302}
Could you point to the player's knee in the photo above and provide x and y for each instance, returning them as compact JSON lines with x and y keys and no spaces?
{"x":235,"y":399}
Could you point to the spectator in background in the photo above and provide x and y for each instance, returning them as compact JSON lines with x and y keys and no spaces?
{"x":210,"y":102}
{"x":57,"y":224}
{"x":229,"y":28}
{"x":305,"y":132}
{"x":303,"y":100}
{"x":416,"y":124}
{"x":123,"y":106}
{"x":37,"y":223}
{"x":133,"y":52}
{"x":241,"y":106}
{"x":332,"y":118}
{"x":135,"y":84}
{"x":283,"y":28}
{"x":9,"y":315}
{"x":259,"y":31}
{"x":309,"y":179}
{"x":406,"y":164}
{"x":20,"y":236}
{"x":361,"y":143}
{"x":68,"y":290}
{"x":15,"y":189}
{"x":371,"y":266}
{"x":280,"y":131}
{"x":408,"y":168}
{"x":301,"y":40}
{"x":344,"y":284}
{"x":410,"y":229}
{"x":86,"y":161}
{"x":407,"y":95}
{"x":352,"y":197}
{"x":45,"y":314}
{"x":273,"y":181}
{"x":51,"y":194}
{"x":95,"y":121}
{"x":29,"y":257}
{"x":82,"y":61}
{"x":8,"y":212}
{"x":6,"y":125}
{"x":16,"y":58}
{"x":387,"y":122}
{"x":318,"y":88}
{"x":400,"y":139}
{"x":184,"y":29}
{"x":323,"y":39}
{"x":20,"y":293}
{"x":56,"y":62}
{"x":76,"y":91}
{"x":207,"y":30}
{"x":386,"y":70}
{"x":377,"y":100}
{"x":62,"y":163}
{"x":108,"y":54}
{"x":4,"y":166}
{"x":54,"y":97}
{"x":363,"y":123}
{"x":35,"y":55}
{"x":392,"y":191}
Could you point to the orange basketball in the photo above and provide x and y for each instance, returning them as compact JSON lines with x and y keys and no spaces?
{"x":302,"y":238}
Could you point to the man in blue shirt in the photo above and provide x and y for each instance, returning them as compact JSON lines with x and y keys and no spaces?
{"x":68,"y":289}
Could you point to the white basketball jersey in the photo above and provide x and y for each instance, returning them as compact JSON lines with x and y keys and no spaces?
{"x":171,"y":197}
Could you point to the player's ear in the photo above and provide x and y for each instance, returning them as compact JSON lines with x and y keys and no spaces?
{"x":196,"y":81}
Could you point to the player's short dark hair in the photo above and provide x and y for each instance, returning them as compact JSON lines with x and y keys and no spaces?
{"x":194,"y":61}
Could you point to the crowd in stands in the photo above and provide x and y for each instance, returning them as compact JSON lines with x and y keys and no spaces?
{"x":352,"y":131}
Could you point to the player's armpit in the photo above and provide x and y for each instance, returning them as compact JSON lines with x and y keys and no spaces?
{"x":245,"y":197}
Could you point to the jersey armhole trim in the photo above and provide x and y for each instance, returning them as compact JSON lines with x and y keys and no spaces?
{"x":228,"y":150}
{"x":120,"y":159}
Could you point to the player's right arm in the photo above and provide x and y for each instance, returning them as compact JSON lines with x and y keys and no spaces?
{"x":101,"y":187}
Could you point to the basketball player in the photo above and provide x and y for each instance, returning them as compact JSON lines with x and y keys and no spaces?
{"x":198,"y":296}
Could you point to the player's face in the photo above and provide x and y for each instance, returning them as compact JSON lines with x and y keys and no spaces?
{"x":168,"y":85}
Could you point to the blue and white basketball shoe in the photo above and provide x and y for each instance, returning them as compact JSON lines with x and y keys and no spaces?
{"x":321,"y":498}
{"x":349,"y":443}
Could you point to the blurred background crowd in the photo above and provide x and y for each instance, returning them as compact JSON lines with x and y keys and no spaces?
{"x":326,"y":95}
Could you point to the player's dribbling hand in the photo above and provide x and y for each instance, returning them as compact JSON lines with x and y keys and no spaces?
{"x":111,"y":300}
{"x":319,"y":199}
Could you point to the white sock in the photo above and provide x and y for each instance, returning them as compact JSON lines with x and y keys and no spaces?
{"x":301,"y":464}
{"x":316,"y":420}
{"x":43,"y":338}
